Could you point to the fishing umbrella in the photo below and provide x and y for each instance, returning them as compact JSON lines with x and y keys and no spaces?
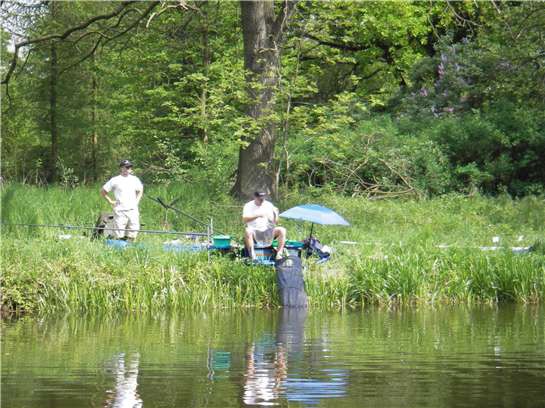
{"x":315,"y":214}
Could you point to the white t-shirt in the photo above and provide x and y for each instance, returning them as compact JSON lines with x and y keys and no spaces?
{"x":124,"y":189}
{"x":266,"y":209}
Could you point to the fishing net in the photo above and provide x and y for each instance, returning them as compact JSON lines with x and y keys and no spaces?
{"x":291,"y":285}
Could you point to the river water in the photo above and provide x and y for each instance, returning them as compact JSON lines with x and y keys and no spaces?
{"x":404,"y":357}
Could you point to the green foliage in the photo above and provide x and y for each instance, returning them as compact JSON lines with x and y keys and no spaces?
{"x":388,"y":98}
{"x":481,"y":101}
{"x":502,"y":61}
{"x":370,"y":157}
{"x":364,"y":47}
{"x":491,"y":150}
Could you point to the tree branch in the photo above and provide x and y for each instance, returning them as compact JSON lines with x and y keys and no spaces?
{"x":181,"y":4}
{"x":84,"y":57}
{"x":88,"y":33}
{"x":108,"y":39}
{"x":282,"y":19}
{"x":344,"y":47}
{"x":372,"y":74}
{"x":127,"y":11}
{"x":103,"y":38}
{"x":135,"y":22}
{"x":62,"y":36}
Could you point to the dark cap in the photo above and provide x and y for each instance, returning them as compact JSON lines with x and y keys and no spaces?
{"x":125,"y":163}
{"x":260,"y":194}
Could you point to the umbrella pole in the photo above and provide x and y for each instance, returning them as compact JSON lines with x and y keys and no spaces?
{"x":309,"y":250}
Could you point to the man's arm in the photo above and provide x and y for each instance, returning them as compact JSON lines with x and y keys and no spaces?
{"x":275,"y":215}
{"x":139,"y":190}
{"x":139,"y":194}
{"x":272,"y":215}
{"x":247,"y":215}
{"x":250,"y":218}
{"x":104,"y":194}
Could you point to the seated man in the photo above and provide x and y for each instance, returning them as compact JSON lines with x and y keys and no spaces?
{"x":260,"y":217}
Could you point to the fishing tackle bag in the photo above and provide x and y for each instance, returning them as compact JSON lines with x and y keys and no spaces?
{"x":104,"y":226}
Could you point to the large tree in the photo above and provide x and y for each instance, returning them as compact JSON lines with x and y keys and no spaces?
{"x":263,"y":31}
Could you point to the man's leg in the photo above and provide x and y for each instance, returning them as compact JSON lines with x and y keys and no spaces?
{"x":249,"y":242}
{"x":133,"y":224}
{"x":120,"y":223}
{"x":280,"y":234}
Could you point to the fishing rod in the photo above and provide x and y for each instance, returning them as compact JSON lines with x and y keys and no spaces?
{"x":96,"y":228}
{"x":177,"y":210}
{"x":82,"y":227}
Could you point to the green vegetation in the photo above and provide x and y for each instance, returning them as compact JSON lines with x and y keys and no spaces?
{"x":367,"y":98}
{"x":439,"y":105}
{"x":396,"y":258}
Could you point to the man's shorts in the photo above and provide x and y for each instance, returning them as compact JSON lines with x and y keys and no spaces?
{"x":262,"y":238}
{"x":126,"y":220}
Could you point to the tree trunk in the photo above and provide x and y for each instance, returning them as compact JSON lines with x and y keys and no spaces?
{"x":206,"y":63}
{"x":54,"y":73}
{"x":94,"y":124}
{"x":262,"y":32}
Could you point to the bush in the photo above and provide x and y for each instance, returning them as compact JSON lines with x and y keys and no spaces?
{"x":370,"y":158}
{"x":494,"y":150}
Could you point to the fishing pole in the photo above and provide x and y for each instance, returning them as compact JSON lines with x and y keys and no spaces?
{"x":81,"y":227}
{"x":177,"y":210}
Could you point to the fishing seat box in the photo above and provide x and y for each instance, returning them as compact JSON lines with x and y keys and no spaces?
{"x":294,"y":248}
{"x":263,"y":252}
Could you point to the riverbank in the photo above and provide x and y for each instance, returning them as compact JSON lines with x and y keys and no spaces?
{"x":426,"y":251}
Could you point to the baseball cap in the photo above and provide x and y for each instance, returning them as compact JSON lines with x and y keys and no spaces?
{"x":125,"y":163}
{"x":260,"y":194}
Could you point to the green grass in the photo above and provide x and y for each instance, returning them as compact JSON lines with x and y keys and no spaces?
{"x":396,"y":257}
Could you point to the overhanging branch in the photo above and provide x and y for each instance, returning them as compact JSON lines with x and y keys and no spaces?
{"x":339,"y":46}
{"x":63,"y":36}
{"x":105,"y":39}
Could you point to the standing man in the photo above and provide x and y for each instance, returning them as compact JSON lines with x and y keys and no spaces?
{"x":128,"y":190}
{"x":260,"y":217}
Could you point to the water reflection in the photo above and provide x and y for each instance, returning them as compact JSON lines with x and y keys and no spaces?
{"x":218,"y":363}
{"x":125,"y":394}
{"x":275,"y":367}
{"x":445,"y":357}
